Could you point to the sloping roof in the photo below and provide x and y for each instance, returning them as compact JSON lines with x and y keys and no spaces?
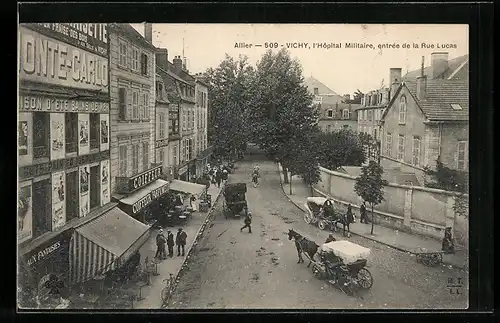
{"x":441,"y":94}
{"x":453,"y":65}
{"x":312,"y":83}
{"x":130,"y":31}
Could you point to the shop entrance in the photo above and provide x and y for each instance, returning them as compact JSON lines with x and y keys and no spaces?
{"x":42,"y":207}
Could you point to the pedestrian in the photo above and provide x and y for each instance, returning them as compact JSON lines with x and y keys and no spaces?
{"x":192,"y":202}
{"x":160,"y":245}
{"x":362,"y":210}
{"x":224,"y":174}
{"x":170,"y":243}
{"x":218,"y":177}
{"x":180,"y":241}
{"x":248,"y":222}
{"x":347,"y":220}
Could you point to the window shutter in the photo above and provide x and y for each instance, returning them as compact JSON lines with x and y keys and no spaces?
{"x":146,"y":106}
{"x":122,"y":103}
{"x":141,"y":104}
{"x":129,"y":105}
{"x":129,"y":57}
{"x":145,"y":64}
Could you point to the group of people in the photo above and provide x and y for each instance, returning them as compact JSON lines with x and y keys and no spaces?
{"x":217,"y":174}
{"x":161,"y":241}
{"x":255,"y":175}
{"x":347,"y":218}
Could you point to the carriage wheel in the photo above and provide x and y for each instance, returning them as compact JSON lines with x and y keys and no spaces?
{"x":307,"y":218}
{"x":322,"y":225}
{"x":317,"y":271}
{"x":365,"y":278}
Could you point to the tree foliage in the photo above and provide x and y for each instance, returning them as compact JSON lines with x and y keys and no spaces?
{"x":340,"y":148}
{"x":357,"y":96}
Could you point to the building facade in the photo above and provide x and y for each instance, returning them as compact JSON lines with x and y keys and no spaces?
{"x":64,"y":144}
{"x":202,"y":151}
{"x":162,"y":121}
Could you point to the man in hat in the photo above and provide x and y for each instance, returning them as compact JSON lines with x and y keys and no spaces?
{"x":248,"y":222}
{"x":170,"y":243}
{"x":160,"y":245}
{"x":180,"y":241}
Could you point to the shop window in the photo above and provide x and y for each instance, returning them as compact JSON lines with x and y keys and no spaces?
{"x":95,"y":192}
{"x":135,"y":159}
{"x":94,"y":130}
{"x":72,"y":201}
{"x":41,"y":134}
{"x":144,"y":64}
{"x":145,"y":155}
{"x":71,"y":129}
{"x":123,"y":160}
{"x":42,"y":208}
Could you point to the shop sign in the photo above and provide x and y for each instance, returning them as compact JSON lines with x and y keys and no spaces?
{"x":30,"y":171}
{"x":38,"y":103}
{"x":150,"y":197}
{"x":91,"y":37}
{"x":59,"y":244}
{"x":143,"y":179}
{"x":183,"y":169}
{"x":46,"y":60}
{"x":161,"y":143}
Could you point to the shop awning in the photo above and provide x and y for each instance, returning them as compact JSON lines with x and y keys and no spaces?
{"x":187,"y":187}
{"x":104,"y":243}
{"x":139,"y":194}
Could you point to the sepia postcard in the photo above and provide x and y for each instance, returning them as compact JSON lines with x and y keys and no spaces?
{"x":243,"y":166}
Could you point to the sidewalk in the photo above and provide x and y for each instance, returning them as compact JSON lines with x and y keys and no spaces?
{"x":402,"y":241}
{"x":152,"y":294}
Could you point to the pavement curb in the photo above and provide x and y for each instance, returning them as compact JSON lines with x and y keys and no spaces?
{"x":359,"y":234}
{"x":199,"y":234}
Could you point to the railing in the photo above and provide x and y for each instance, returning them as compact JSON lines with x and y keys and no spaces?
{"x":71,"y":147}
{"x":40,"y":152}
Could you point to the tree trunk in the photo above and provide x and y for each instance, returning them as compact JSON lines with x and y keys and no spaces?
{"x":291,"y":184}
{"x":372,"y":221}
{"x":285,"y":175}
{"x":312,"y":190}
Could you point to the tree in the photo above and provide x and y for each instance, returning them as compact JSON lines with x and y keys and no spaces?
{"x":369,"y":185}
{"x":340,"y":148}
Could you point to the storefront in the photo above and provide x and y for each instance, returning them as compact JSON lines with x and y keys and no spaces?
{"x":43,"y":271}
{"x":143,"y":196}
{"x":203,"y":160}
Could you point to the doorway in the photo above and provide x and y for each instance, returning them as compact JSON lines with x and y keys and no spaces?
{"x":95,"y":192}
{"x":42,"y":207}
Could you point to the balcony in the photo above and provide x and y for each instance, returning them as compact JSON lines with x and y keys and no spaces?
{"x":41,"y":152}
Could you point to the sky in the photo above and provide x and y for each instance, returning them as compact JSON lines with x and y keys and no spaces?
{"x":344,"y":70}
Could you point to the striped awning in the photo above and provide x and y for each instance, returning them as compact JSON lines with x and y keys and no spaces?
{"x":187,"y":187}
{"x":103,"y":244}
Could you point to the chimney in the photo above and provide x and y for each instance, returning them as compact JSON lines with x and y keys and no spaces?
{"x":177,"y":61}
{"x":184,"y":64}
{"x":347,"y":97}
{"x":421,"y":83}
{"x":394,"y":80}
{"x":439,"y":64}
{"x":148,"y":32}
{"x":162,"y":58}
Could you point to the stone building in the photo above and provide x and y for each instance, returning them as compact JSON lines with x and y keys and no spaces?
{"x":202,"y":151}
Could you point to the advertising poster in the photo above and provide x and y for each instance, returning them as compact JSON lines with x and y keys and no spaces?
{"x":84,"y":190}
{"x":83,"y":134}
{"x":57,"y":149}
{"x":24,"y":214}
{"x":104,"y":118}
{"x":58,"y":200}
{"x":105,"y":182}
{"x":23,"y":138}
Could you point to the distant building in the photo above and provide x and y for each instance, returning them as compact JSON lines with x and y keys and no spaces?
{"x":333,"y":113}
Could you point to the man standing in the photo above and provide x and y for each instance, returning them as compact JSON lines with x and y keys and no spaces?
{"x":160,"y":245}
{"x":218,"y":177}
{"x":248,"y":222}
{"x":180,"y":241}
{"x":362,"y":210}
{"x":170,"y":243}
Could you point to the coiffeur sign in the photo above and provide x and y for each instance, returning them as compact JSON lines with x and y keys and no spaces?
{"x":143,"y":179}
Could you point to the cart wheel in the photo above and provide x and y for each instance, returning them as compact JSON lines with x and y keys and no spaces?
{"x":322,"y":225}
{"x":317,"y":271}
{"x":365,"y":278}
{"x":307,"y":218}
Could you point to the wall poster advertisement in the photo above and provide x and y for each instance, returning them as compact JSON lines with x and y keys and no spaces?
{"x":58,"y":200}
{"x":104,"y":125}
{"x":23,"y":138}
{"x":105,"y":182}
{"x":57,"y":149}
{"x":84,"y":189}
{"x":24,"y":214}
{"x":83,"y":133}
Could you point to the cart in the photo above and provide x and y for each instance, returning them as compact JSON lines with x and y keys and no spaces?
{"x":429,"y":257}
{"x":235,"y":203}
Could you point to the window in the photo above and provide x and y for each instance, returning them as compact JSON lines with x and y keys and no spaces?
{"x":388,"y":144}
{"x":370,"y":115}
{"x":122,"y":103}
{"x":41,"y":210}
{"x":316,"y":91}
{"x":41,"y":134}
{"x":345,"y":114}
{"x":123,"y":161}
{"x":71,"y":129}
{"x":463,"y":155}
{"x":416,"y":151}
{"x":159,"y":90}
{"x":401,"y":147}
{"x":145,"y":155}
{"x":135,"y":159}
{"x":135,"y":60}
{"x":375,"y":133}
{"x":159,"y":156}
{"x":72,"y":202}
{"x":95,"y":192}
{"x":145,"y":106}
{"x":161,"y":117}
{"x":402,"y":110}
{"x":175,"y":153}
{"x":184,"y":119}
{"x":135,"y":105}
{"x":94,"y":130}
{"x":144,"y":64}
{"x":122,"y":54}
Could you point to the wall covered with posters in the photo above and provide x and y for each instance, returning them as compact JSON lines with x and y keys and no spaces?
{"x":57,"y":147}
{"x":58,"y":200}
{"x":105,"y":182}
{"x":24,"y":213}
{"x":104,"y":126}
{"x":25,"y":138}
{"x":84,"y":179}
{"x":83,"y":134}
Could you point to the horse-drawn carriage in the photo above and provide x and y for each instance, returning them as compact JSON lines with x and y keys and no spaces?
{"x":235,"y":203}
{"x":315,"y":207}
{"x":342,"y":262}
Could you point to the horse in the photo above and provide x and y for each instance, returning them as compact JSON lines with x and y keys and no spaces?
{"x":303,"y":245}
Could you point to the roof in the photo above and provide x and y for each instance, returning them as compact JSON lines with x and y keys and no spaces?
{"x":131,"y":32}
{"x":313,"y":83}
{"x":441,"y":94}
{"x":453,"y":65}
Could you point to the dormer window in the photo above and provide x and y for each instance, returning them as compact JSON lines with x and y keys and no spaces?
{"x":456,"y":107}
{"x":402,"y":110}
